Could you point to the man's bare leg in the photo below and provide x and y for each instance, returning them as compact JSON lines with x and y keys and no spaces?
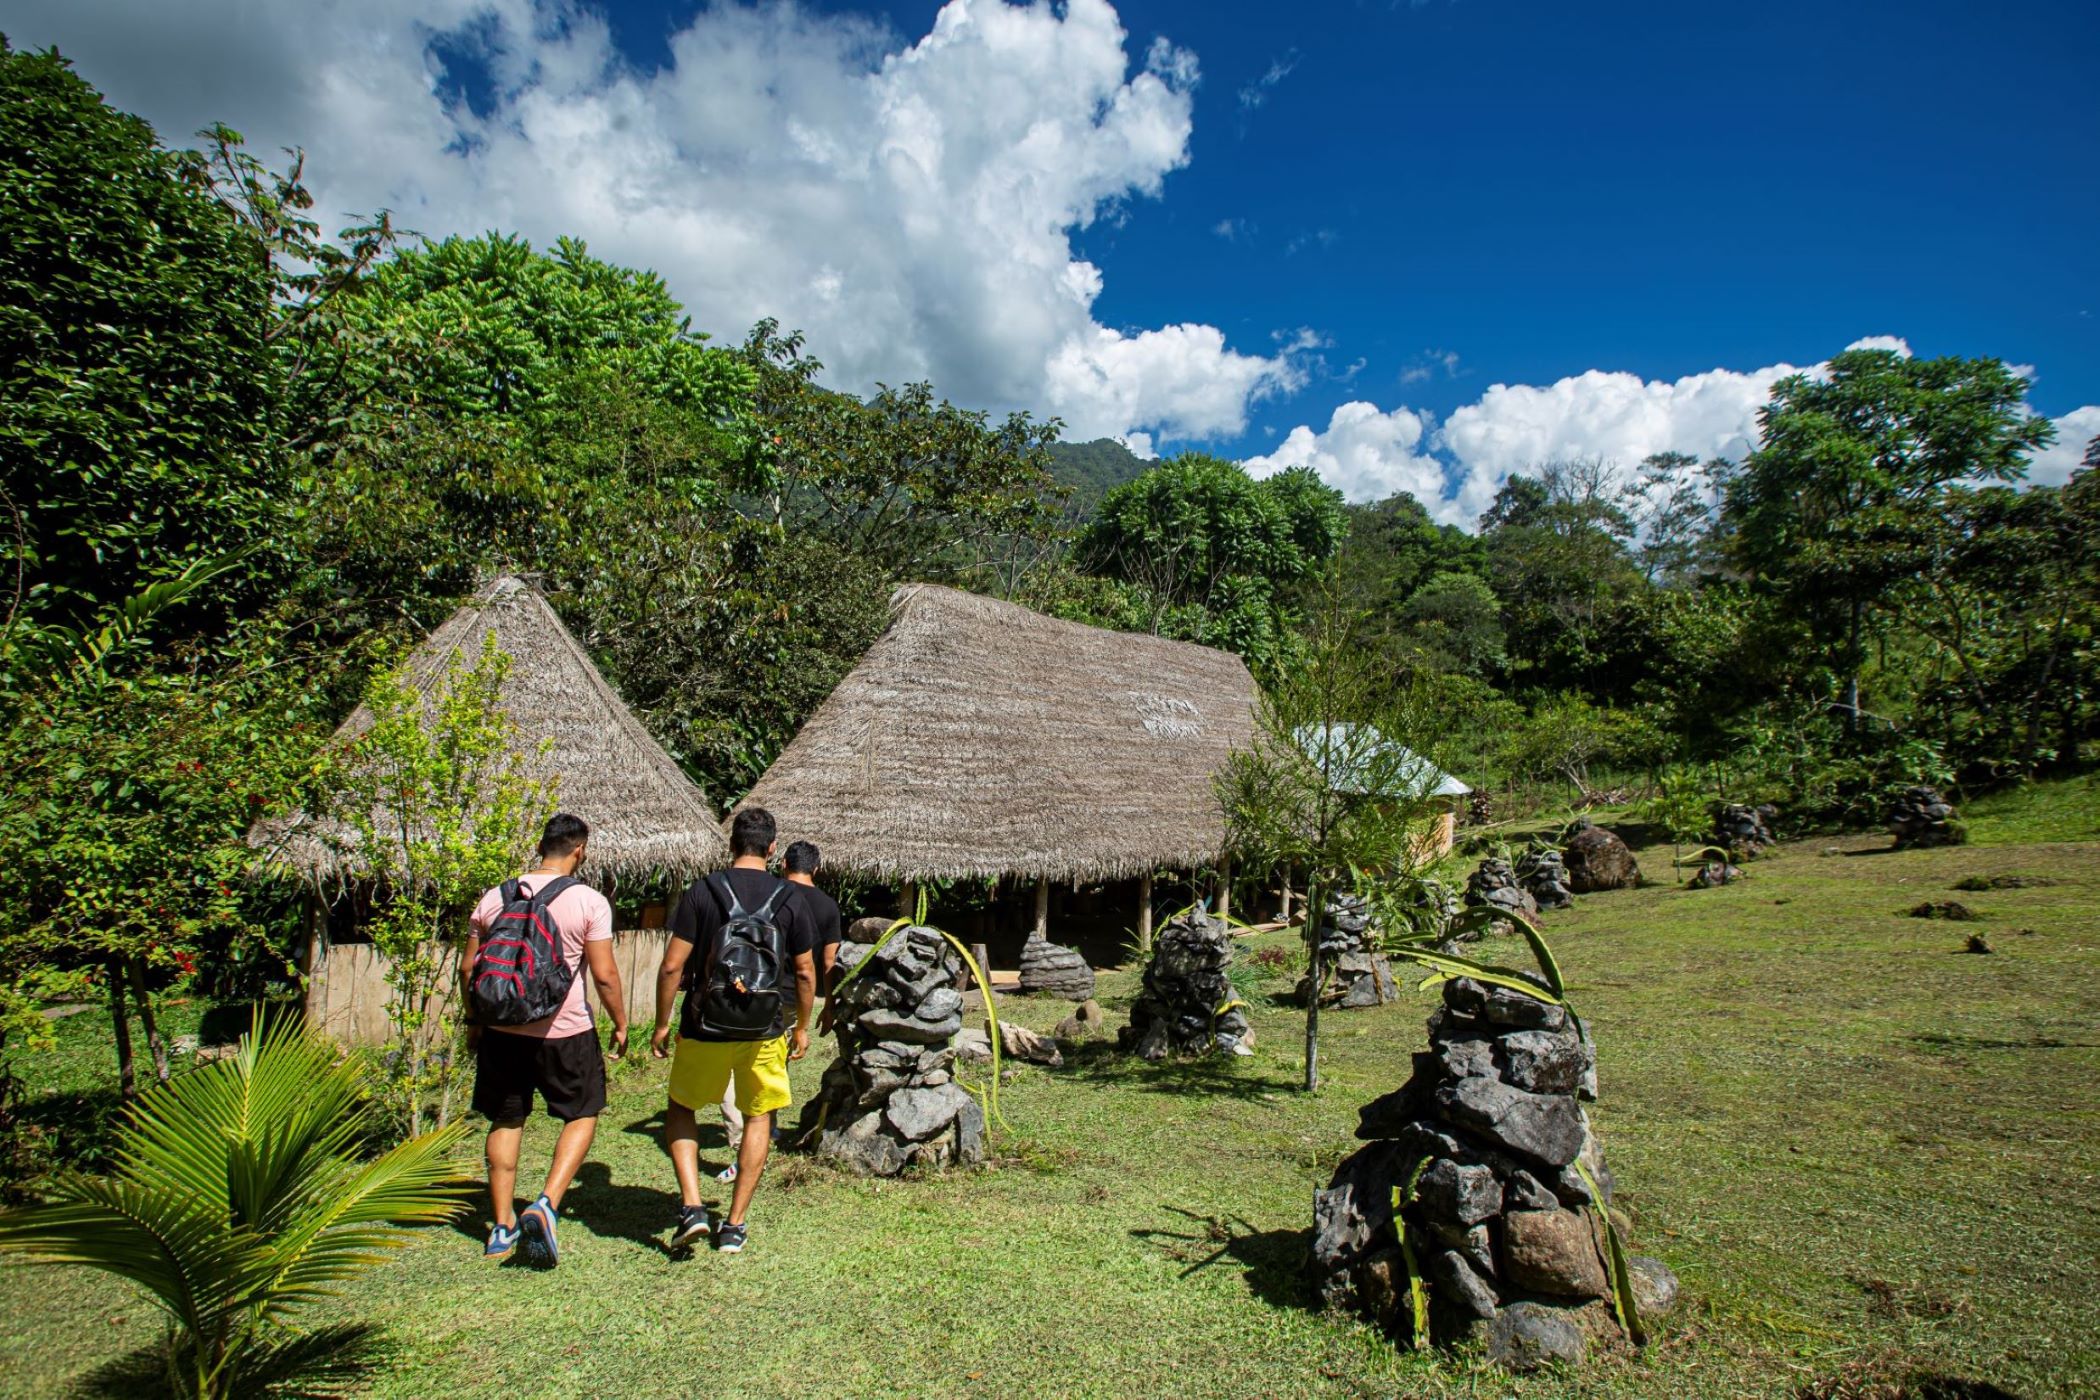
{"x":503,"y":1170}
{"x":570,"y":1149}
{"x":750,"y":1162}
{"x":682,"y":1138}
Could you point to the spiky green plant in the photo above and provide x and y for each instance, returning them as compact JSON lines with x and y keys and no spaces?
{"x":240,"y":1196}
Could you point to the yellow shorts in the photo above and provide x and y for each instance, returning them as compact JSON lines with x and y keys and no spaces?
{"x":702,"y":1069}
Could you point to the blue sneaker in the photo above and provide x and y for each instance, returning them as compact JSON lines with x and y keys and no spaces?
{"x":536,"y":1232}
{"x":502,"y":1240}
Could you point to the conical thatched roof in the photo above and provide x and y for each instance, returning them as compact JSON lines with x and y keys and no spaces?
{"x":978,"y":738}
{"x":645,"y":814}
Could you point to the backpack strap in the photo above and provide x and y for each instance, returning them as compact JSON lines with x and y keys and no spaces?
{"x":510,"y":891}
{"x":765,"y":911}
{"x":725,"y":895}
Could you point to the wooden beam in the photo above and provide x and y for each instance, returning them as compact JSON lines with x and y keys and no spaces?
{"x":1145,"y":913}
{"x":1225,"y":886}
{"x":1042,"y":908}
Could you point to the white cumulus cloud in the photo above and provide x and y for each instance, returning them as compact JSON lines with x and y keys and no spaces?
{"x":2053,"y":465}
{"x":1367,"y":453}
{"x":910,"y":205}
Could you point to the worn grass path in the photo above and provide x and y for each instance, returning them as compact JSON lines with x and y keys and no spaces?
{"x":1870,"y":1157}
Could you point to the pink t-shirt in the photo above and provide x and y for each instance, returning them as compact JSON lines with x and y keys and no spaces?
{"x":582,"y":916}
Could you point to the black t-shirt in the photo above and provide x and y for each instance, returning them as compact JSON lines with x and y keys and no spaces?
{"x":700,"y":915}
{"x":824,"y":927}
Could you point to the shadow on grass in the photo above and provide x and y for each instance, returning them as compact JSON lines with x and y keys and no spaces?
{"x":328,"y":1361}
{"x":1271,"y":1261}
{"x":1103,"y":1063}
{"x":610,"y":1210}
{"x":77,"y":1131}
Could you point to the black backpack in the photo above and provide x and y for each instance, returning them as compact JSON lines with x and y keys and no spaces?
{"x":518,"y":974}
{"x":740,"y":992}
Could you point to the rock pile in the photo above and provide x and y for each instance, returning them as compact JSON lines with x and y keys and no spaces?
{"x":1545,"y":879}
{"x":1744,"y":831}
{"x":1489,"y":1130}
{"x":890,"y":1100}
{"x":1494,"y":886}
{"x":1185,"y":1007}
{"x":1051,"y":969}
{"x":1921,"y":817}
{"x":1713,"y":875}
{"x":1352,"y":973}
{"x":1598,"y":860}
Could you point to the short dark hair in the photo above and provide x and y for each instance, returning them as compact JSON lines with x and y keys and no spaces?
{"x":563,"y":834}
{"x":752,"y":833}
{"x":800,"y":858}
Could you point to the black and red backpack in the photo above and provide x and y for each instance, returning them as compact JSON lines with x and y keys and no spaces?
{"x":518,"y":974}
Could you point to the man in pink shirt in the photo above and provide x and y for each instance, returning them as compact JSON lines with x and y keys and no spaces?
{"x":556,"y":1057}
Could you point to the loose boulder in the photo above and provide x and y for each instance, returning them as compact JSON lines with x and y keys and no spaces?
{"x":890,"y":1101}
{"x":1186,"y":1005}
{"x":1598,"y":860}
{"x":1921,"y":817}
{"x":1051,"y":969}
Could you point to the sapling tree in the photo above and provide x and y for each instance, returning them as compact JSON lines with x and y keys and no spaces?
{"x":1339,"y":781}
{"x":437,"y":804}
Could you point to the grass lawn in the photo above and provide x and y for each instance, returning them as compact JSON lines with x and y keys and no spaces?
{"x":1873,"y":1160}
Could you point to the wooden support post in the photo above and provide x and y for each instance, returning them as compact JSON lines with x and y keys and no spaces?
{"x":1225,"y":886}
{"x":907,"y":900}
{"x":1042,"y":908}
{"x":1145,"y":913}
{"x":984,"y":964}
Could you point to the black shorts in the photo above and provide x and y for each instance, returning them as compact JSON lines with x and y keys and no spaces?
{"x":569,"y":1073}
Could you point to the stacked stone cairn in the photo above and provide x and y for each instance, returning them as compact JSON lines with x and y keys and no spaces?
{"x":1178,"y":1011}
{"x":1544,"y":876}
{"x":1051,"y":969}
{"x":1598,"y":860}
{"x":1494,"y":886}
{"x":1744,"y":831}
{"x":1921,"y":817}
{"x":1713,"y":875}
{"x":890,"y":1100}
{"x":1500,"y":1221}
{"x":1431,"y":907}
{"x":1352,"y":973}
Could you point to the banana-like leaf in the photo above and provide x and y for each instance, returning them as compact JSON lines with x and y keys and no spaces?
{"x":1622,"y":1298}
{"x":1417,"y":1295}
{"x":1453,"y":965}
{"x":1549,"y":966}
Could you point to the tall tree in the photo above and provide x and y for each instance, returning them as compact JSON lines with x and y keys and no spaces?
{"x":1846,"y":453}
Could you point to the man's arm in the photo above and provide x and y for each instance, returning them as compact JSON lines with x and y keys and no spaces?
{"x":668,"y":975}
{"x":605,"y":972}
{"x":805,"y":1003}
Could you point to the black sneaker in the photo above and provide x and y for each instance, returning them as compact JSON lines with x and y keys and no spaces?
{"x":729,"y":1238}
{"x":692,"y":1225}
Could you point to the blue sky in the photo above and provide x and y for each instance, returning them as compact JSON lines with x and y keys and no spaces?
{"x":1320,"y":233}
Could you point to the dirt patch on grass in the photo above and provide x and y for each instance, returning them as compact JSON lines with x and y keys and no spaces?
{"x":2002,"y":882}
{"x":1945,"y":909}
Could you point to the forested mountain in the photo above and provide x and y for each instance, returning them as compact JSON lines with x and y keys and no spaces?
{"x":1093,"y":469}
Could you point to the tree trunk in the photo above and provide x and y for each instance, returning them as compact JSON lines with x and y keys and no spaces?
{"x":1144,"y":927}
{"x":127,"y":1067}
{"x":1314,"y":978}
{"x":1852,"y":664}
{"x":154,"y":1042}
{"x":1285,"y":893}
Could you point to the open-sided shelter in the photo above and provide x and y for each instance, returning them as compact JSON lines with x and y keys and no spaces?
{"x":980,"y":739}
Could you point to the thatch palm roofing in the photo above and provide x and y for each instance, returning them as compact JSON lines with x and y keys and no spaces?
{"x":645,"y":814}
{"x":978,"y":739}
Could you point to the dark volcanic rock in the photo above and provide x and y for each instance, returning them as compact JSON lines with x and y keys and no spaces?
{"x":1494,"y":886}
{"x":1526,"y":1336}
{"x":1185,"y":984}
{"x":1050,"y":969}
{"x":1545,"y":878}
{"x":1546,"y":1128}
{"x":1921,"y":817}
{"x":1599,"y":860}
{"x":1553,"y":1251}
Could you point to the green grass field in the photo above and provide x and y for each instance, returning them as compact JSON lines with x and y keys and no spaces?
{"x":1873,"y":1159}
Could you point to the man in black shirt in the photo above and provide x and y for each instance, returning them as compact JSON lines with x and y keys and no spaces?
{"x":707,"y":1063}
{"x":799,"y":864}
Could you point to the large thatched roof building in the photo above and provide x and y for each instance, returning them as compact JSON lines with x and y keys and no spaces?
{"x":980,"y":739}
{"x":646,"y":816}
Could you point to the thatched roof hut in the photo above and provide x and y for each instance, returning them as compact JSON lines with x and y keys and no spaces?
{"x":979,"y":739}
{"x":645,"y":814}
